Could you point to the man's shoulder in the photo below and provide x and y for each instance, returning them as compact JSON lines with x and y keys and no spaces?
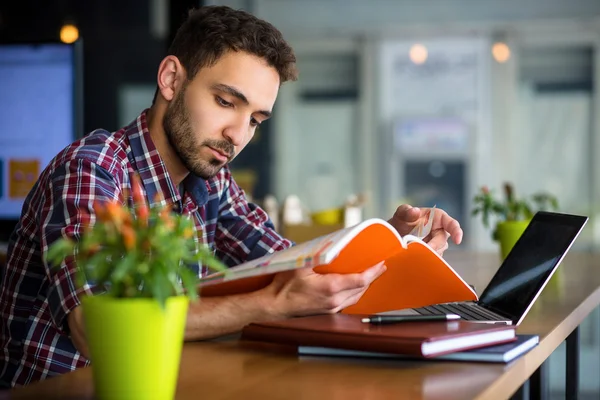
{"x":101,"y":147}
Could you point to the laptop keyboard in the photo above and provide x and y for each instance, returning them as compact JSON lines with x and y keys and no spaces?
{"x":467,"y":311}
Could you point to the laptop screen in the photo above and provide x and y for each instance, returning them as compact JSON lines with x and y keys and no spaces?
{"x":531,"y":262}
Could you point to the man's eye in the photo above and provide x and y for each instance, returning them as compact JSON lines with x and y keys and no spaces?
{"x":222,"y":102}
{"x":254,"y":121}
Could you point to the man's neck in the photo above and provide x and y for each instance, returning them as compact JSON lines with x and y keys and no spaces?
{"x":175,"y":168}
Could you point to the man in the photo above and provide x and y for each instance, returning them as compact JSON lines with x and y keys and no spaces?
{"x":218,"y":83}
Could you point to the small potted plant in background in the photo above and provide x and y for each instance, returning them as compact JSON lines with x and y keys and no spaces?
{"x":138,"y":259}
{"x":509,"y":216}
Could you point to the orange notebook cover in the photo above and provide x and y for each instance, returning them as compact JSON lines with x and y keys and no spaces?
{"x":416,"y":275}
{"x":420,"y":339}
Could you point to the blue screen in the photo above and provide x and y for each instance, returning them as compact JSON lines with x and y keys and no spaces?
{"x":37,"y":115}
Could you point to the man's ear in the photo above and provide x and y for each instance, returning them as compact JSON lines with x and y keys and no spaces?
{"x":171,"y":76}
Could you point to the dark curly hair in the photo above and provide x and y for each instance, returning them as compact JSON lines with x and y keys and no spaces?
{"x":211,"y":31}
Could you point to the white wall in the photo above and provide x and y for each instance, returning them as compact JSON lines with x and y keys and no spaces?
{"x":318,"y":18}
{"x":359,"y":26}
{"x":315,"y":140}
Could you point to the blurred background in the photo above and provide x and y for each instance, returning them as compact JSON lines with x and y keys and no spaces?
{"x":398,"y":101}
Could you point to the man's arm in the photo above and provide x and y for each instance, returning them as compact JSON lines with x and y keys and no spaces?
{"x":216,"y":316}
{"x":67,"y":209}
{"x":76,"y":326}
{"x":292,"y":293}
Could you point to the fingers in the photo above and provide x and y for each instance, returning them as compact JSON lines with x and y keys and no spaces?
{"x":350,"y":300}
{"x":355,"y":286}
{"x":306,"y":292}
{"x":405,"y":218}
{"x":451,"y":226}
{"x":340,"y":282}
{"x":438,"y":241}
{"x":407,"y":213}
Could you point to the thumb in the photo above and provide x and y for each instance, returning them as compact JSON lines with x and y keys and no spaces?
{"x":407,"y":213}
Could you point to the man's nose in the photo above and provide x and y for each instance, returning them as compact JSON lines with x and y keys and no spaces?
{"x":237,"y":131}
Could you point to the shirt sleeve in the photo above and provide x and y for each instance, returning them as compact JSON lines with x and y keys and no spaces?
{"x":244,"y":231}
{"x":67,"y":209}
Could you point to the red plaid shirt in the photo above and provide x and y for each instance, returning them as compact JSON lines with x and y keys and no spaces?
{"x":35,"y":298}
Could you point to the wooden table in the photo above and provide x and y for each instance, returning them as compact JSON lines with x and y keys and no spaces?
{"x":234,"y":370}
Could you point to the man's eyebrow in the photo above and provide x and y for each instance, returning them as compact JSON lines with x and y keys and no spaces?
{"x":239,"y":95}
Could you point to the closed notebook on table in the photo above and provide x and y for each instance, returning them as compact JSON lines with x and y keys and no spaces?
{"x":344,"y":331}
{"x":500,"y":353}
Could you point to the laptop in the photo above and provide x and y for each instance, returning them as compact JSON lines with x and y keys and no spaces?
{"x":521,"y":277}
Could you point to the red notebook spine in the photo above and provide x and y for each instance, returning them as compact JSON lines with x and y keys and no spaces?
{"x":335,"y":340}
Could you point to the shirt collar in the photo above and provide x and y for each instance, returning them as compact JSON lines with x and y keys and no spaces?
{"x":153,"y":171}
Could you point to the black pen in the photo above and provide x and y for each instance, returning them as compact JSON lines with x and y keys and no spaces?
{"x":393,"y":319}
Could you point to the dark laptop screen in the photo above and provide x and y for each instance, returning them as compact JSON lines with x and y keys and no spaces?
{"x":531,"y":262}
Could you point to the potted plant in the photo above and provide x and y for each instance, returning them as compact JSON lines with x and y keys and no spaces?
{"x":510,"y":215}
{"x":137,"y":257}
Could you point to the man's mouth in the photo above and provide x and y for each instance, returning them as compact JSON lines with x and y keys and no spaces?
{"x":219,"y":154}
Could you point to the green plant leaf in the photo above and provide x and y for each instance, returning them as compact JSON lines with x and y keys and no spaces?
{"x":124,"y":267}
{"x":59,"y":251}
{"x":97,"y":268}
{"x":510,"y":207}
{"x":161,"y":290}
{"x":214,"y":264}
{"x":152,"y":267}
{"x":190,"y":283}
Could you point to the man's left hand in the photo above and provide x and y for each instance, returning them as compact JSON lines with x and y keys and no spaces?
{"x":444,"y":226}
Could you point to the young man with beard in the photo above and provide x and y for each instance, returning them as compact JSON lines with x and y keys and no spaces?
{"x":218,"y":83}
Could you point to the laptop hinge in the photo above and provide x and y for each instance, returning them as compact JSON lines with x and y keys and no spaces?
{"x":494,"y":310}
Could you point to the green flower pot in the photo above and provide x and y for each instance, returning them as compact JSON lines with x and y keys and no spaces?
{"x":507,"y":233}
{"x":135,"y":346}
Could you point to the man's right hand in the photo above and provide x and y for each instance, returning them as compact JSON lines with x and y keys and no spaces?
{"x":304,"y":292}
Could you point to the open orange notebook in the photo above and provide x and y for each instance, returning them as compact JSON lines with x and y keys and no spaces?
{"x":416,"y":275}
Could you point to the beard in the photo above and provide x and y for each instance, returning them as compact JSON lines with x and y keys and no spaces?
{"x":180,"y":135}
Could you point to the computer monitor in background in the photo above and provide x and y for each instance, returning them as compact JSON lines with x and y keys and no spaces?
{"x":41,"y":109}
